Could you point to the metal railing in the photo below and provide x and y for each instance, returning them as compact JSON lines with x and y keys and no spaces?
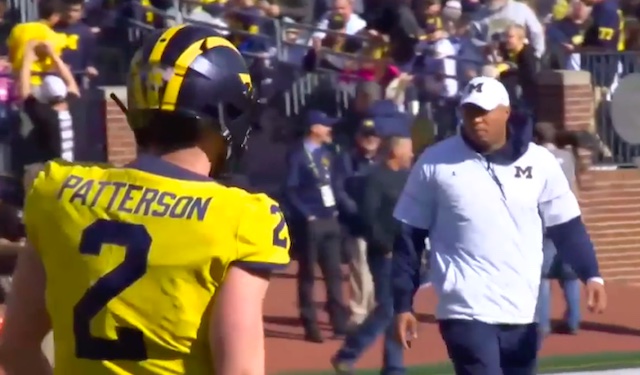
{"x":607,"y":70}
{"x":335,"y":91}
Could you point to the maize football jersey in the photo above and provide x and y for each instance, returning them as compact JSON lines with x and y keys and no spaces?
{"x":134,"y":256}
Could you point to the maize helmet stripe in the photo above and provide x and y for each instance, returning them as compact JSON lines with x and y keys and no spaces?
{"x":136,"y":88}
{"x":189,"y":69}
{"x":182,"y":64}
{"x":190,"y":77}
{"x":151,"y":83}
{"x":161,"y":44}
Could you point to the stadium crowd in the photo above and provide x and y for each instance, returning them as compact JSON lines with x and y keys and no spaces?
{"x":354,"y":89}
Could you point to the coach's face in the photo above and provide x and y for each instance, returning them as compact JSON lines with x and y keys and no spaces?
{"x":487,"y":129}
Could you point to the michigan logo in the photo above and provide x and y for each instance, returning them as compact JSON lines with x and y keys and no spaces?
{"x":524,"y":172}
{"x":475,"y":87}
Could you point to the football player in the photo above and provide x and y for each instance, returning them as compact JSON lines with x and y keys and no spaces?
{"x":153,"y":268}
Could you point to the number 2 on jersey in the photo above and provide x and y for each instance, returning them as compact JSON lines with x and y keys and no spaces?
{"x":136,"y":240}
{"x":279,"y":237}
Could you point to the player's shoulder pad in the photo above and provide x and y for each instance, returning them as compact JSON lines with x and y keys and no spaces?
{"x":260,"y":202}
{"x":263,"y":237}
{"x":41,"y":177}
{"x":45,"y":179}
{"x":249,"y":202}
{"x":17,"y":29}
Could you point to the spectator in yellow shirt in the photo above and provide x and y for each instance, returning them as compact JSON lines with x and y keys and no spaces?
{"x":49,"y":12}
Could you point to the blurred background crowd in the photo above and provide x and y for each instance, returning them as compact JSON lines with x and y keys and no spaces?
{"x":345,"y":82}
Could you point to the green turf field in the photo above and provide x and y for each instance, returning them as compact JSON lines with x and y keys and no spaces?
{"x":590,"y":362}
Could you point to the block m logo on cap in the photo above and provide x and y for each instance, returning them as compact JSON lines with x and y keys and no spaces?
{"x":477,"y":87}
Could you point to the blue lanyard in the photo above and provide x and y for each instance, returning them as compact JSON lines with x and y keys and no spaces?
{"x":314,"y":167}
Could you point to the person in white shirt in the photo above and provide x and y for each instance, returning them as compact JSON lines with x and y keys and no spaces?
{"x":354,"y":22}
{"x":483,"y":198}
{"x":443,"y":82}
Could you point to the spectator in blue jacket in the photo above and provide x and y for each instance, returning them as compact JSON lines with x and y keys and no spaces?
{"x":357,"y":163}
{"x":314,"y":195}
{"x":381,"y":190}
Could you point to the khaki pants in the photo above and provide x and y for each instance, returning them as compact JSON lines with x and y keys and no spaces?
{"x":360,"y":283}
{"x":47,"y":347}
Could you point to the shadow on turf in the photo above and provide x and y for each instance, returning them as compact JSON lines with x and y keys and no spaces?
{"x":426,"y":318}
{"x":287,"y":321}
{"x":609,"y":328}
{"x":292,"y":276}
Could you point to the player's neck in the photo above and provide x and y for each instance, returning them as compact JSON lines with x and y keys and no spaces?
{"x":193,"y":160}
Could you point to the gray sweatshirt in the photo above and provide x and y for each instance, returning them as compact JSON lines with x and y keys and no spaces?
{"x":487,"y":22}
{"x":567,"y":162}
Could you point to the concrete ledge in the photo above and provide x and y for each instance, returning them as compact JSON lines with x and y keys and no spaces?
{"x":564,"y":78}
{"x":120,"y":91}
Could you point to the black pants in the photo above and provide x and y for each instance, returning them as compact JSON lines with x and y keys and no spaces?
{"x":322,"y":246}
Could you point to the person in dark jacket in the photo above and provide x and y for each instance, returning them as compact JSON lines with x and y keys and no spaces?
{"x":382,"y":188}
{"x":357,"y":165}
{"x":314,"y":196}
{"x":519,"y":68}
{"x":81,"y":41}
{"x":366,"y":94}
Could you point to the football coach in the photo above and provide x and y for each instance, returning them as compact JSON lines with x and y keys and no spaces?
{"x":483,"y":198}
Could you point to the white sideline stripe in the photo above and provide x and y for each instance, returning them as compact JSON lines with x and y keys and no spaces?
{"x":627,"y":371}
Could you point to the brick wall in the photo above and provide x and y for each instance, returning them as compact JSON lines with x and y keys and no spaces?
{"x":610,"y":198}
{"x":611,"y":208}
{"x":121,"y":145}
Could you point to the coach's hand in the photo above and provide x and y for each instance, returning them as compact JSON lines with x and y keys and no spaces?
{"x":596,"y":296}
{"x":406,"y":329}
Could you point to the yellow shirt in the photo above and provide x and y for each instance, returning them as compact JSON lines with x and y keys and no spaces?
{"x":23,"y":33}
{"x":134,"y":258}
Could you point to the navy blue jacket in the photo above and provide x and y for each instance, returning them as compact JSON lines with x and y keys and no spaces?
{"x":355,"y":168}
{"x":303,"y":184}
{"x":80,"y":48}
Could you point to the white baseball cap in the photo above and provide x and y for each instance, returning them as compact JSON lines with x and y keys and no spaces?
{"x":485,"y":92}
{"x":52,"y":88}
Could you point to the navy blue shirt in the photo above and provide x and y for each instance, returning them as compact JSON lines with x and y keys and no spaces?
{"x":309,"y":168}
{"x":81,"y":42}
{"x":605,"y":32}
{"x":568,"y":31}
{"x":355,"y":169}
